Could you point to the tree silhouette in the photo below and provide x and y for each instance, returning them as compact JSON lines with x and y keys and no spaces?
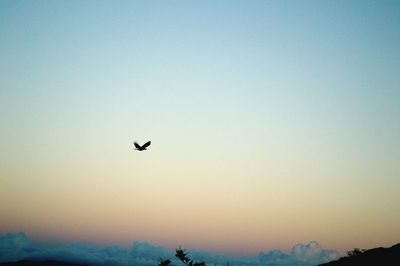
{"x":182,"y":255}
{"x":165,"y":263}
{"x":355,"y":252}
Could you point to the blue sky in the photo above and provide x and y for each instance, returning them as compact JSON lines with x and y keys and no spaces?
{"x":260,"y":113}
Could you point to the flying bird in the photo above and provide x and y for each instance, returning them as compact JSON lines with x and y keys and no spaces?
{"x":143,"y":147}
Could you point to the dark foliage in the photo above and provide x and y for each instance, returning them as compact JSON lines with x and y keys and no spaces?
{"x":182,"y":255}
{"x":355,"y":252}
{"x":165,"y":263}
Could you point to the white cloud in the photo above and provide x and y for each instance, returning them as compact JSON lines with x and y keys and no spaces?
{"x":14,"y":247}
{"x":301,"y":254}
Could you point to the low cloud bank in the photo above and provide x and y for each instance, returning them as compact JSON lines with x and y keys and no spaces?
{"x":15,"y":247}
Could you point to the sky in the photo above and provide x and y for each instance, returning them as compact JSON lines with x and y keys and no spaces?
{"x":272,"y":123}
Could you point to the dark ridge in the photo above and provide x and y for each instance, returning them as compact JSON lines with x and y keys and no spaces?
{"x":41,"y":263}
{"x":376,"y":256}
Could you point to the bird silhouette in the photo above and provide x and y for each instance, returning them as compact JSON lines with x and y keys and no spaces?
{"x":143,"y":147}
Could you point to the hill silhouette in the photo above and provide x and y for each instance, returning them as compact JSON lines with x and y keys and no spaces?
{"x":376,"y":256}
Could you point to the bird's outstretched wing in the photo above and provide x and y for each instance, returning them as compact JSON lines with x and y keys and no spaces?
{"x":147,"y":144}
{"x":137,"y":146}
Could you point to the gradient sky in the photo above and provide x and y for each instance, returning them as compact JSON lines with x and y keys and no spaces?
{"x":272,"y":123}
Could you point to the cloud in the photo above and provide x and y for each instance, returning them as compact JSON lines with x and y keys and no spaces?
{"x":14,"y":247}
{"x":301,"y":254}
